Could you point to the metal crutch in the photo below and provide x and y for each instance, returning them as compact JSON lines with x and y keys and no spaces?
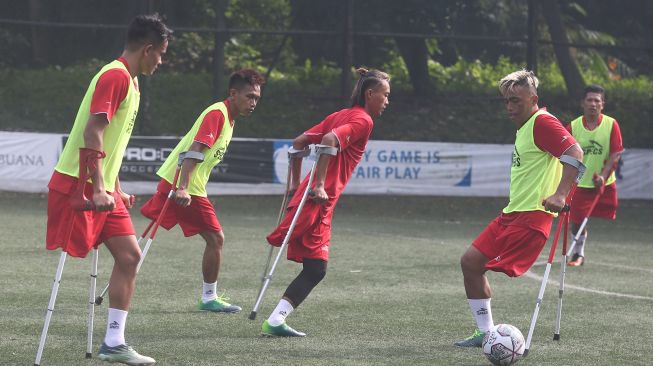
{"x":292,"y":154}
{"x":319,"y":150}
{"x":563,"y":265}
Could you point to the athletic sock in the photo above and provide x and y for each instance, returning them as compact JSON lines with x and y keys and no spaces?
{"x":209,"y":291}
{"x":482,"y":313}
{"x":278,"y":316}
{"x":580,"y":245}
{"x":116,"y":322}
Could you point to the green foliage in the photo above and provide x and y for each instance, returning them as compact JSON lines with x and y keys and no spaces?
{"x":465,"y":106}
{"x":190,"y":51}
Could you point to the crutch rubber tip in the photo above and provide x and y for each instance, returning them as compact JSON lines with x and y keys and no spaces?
{"x":36,"y":364}
{"x":98,"y":300}
{"x":526,"y":352}
{"x":252,"y":315}
{"x":89,"y":355}
{"x":556,"y":337}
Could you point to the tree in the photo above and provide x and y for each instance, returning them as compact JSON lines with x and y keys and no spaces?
{"x":566,"y":62}
{"x":38,"y":12}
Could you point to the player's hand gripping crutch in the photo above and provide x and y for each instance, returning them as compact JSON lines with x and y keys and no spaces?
{"x":292,"y":154}
{"x":87,"y":166}
{"x":319,"y":150}
{"x":563,"y":265}
{"x":154,"y":224}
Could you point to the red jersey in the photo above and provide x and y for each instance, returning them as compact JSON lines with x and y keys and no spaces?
{"x":211,"y":127}
{"x":352,"y":127}
{"x":110,"y":90}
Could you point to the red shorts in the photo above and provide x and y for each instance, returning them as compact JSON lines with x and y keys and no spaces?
{"x":310,"y":237}
{"x":606,"y":207}
{"x":198,"y":217}
{"x":512,"y":248}
{"x":89,"y":228}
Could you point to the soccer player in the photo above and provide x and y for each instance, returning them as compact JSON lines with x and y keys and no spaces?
{"x":103,"y":125}
{"x":209,"y":137}
{"x":348,"y":130}
{"x":539,"y":185}
{"x":600,"y":138}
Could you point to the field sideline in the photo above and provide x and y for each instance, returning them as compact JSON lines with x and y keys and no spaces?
{"x":393,"y":293}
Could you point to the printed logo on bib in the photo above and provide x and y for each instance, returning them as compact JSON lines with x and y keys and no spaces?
{"x":516,"y":161}
{"x":593,"y":149}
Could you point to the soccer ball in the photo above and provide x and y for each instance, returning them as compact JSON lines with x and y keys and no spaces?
{"x":503,"y":344}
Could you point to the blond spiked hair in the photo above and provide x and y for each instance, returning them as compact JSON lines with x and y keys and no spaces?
{"x":519,"y":78}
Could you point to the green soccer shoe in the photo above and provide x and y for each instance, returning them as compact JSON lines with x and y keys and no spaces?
{"x":475,"y":340}
{"x":282,"y":330}
{"x":123,"y":354}
{"x":219,"y":305}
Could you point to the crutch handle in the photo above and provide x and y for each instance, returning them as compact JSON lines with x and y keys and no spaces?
{"x":82,"y":204}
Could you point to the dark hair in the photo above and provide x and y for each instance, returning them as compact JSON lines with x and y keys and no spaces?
{"x":594,"y":88}
{"x":369,"y":79}
{"x":145,"y":29}
{"x":244,"y":77}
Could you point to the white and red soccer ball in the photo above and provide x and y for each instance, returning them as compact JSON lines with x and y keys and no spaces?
{"x":503,"y":344}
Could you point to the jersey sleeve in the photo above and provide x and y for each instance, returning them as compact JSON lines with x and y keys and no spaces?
{"x":551,"y":136}
{"x":317,"y":132}
{"x":210,"y":129}
{"x":357,"y":128}
{"x":616,"y":144}
{"x":568,"y":128}
{"x":110,"y":90}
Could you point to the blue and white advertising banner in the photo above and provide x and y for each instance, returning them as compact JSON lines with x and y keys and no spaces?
{"x":421,"y":168}
{"x":260,"y":166}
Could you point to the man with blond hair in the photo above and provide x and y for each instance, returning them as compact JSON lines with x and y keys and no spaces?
{"x":539,"y":185}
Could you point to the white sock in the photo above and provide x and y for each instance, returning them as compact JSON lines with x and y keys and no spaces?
{"x":209,"y":291}
{"x":482,"y":313}
{"x":116,"y":322}
{"x":278,"y":316}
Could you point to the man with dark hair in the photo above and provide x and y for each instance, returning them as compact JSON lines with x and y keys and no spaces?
{"x":98,"y":138}
{"x":600,"y":138}
{"x":209,"y":137}
{"x":348,"y":130}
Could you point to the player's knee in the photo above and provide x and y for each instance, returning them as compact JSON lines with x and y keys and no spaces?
{"x":468,"y":263}
{"x":315,"y":270}
{"x":214,"y":240}
{"x":128,"y":260}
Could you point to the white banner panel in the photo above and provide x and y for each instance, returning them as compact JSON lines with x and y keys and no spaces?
{"x":388,"y":167}
{"x":635,"y":174}
{"x":27,"y":160}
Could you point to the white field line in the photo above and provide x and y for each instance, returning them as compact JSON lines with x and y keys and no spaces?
{"x":532,"y":275}
{"x":541,"y":263}
{"x":539,"y":278}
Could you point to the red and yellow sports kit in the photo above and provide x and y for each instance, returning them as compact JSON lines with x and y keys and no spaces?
{"x":115,"y":93}
{"x":514,"y":239}
{"x":311,"y":236}
{"x":214,"y":129}
{"x":597,"y":144}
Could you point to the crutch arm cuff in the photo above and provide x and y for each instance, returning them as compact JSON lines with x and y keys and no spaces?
{"x":296,"y":153}
{"x":326,"y":149}
{"x":195,"y":155}
{"x":570,"y":160}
